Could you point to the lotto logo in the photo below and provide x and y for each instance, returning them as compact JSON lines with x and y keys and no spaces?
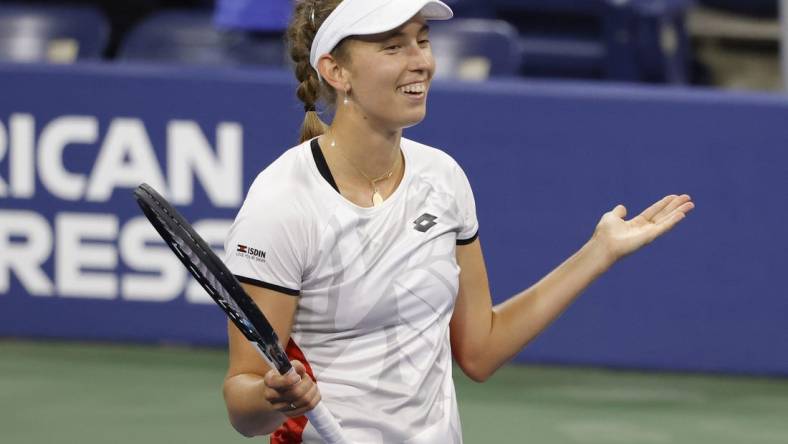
{"x":425,"y":222}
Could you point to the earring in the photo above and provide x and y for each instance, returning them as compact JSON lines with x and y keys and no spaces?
{"x":346,"y":100}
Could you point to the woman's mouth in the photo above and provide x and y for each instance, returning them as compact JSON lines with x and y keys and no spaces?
{"x":414,"y":90}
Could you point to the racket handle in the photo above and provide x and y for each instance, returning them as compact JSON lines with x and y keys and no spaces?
{"x":326,"y":425}
{"x":324,"y":422}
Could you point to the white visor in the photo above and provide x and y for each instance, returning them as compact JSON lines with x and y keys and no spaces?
{"x":365,"y":17}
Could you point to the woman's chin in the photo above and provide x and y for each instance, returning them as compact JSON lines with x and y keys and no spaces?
{"x":415,"y":119}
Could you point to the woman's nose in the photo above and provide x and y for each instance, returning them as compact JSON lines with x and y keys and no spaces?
{"x":419,"y":57}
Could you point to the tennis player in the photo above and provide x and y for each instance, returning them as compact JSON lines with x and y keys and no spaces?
{"x":362,"y":247}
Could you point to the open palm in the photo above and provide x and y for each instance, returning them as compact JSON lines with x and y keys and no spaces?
{"x":622,"y":237}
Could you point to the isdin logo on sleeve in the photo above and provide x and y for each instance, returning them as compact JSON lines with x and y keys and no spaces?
{"x":250,"y":252}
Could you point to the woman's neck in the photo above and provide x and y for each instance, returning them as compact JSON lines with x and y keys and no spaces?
{"x":366,"y":162}
{"x":373,"y":150}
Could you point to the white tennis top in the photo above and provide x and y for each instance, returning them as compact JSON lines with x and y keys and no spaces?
{"x":376,"y":289}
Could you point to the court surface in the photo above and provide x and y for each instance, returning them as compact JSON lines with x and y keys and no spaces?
{"x":88,"y":393}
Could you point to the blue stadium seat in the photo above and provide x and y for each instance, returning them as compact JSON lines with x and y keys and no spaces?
{"x":634,"y":40}
{"x":189,"y":37}
{"x":253,"y":15}
{"x":475,"y":49}
{"x":647,"y":40}
{"x":470,"y":8}
{"x":43,"y":33}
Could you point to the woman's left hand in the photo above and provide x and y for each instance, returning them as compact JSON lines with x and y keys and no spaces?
{"x":621,"y":237}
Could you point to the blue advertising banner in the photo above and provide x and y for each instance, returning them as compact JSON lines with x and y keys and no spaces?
{"x":78,"y":258}
{"x":546,"y":160}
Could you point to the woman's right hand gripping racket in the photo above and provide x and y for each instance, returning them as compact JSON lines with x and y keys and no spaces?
{"x":224,"y":288}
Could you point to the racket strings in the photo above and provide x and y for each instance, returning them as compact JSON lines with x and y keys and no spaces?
{"x":201,"y":272}
{"x":224,"y":289}
{"x":190,"y":249}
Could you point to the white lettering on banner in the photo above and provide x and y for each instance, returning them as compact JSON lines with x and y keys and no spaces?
{"x":55,"y":137}
{"x":22,"y":173}
{"x":78,"y":255}
{"x":213,"y":231}
{"x":86,"y":257}
{"x":188,"y":150}
{"x":126,"y":139}
{"x":72,"y":254}
{"x":25,"y":258}
{"x":125,"y":158}
{"x":137,"y":251}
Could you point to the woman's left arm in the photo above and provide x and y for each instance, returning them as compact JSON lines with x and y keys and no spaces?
{"x":484,"y":337}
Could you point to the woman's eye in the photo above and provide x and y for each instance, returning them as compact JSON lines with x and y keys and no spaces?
{"x":424,"y":42}
{"x":392,"y":47}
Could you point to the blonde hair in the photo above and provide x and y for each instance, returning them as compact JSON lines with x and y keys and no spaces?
{"x":307,"y":18}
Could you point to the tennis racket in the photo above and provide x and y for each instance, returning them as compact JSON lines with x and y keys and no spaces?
{"x":224,"y":288}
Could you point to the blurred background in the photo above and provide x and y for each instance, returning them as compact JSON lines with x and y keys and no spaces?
{"x":719,"y":43}
{"x":558,"y":110}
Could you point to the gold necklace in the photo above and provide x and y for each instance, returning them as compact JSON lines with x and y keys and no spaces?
{"x":377,"y":199}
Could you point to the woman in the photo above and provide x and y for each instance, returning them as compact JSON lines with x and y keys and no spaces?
{"x":367,"y":248}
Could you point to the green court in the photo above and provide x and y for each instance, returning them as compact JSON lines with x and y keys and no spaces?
{"x":76,"y":393}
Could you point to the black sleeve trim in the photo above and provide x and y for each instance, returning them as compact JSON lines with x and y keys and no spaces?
{"x":256,"y":283}
{"x":469,"y":240}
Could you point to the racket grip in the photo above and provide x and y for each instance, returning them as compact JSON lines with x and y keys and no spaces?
{"x":326,"y":425}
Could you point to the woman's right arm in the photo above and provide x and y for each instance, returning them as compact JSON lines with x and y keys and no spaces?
{"x":247,"y":389}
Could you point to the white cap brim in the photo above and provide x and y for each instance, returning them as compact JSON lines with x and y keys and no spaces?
{"x":365,"y":17}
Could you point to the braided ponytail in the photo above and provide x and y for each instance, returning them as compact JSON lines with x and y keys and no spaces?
{"x":307,"y":18}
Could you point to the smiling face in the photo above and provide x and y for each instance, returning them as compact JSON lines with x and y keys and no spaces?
{"x":390,"y":74}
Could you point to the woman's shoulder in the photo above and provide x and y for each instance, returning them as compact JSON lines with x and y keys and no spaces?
{"x":278,"y":184}
{"x":287,"y":166}
{"x":430,"y":157}
{"x":286,"y":174}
